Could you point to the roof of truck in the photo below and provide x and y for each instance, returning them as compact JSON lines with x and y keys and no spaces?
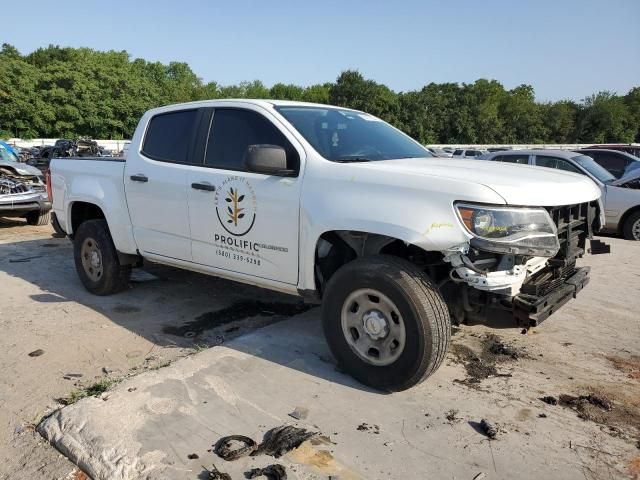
{"x":266,"y":103}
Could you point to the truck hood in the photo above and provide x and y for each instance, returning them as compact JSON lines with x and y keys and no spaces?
{"x":516,"y":184}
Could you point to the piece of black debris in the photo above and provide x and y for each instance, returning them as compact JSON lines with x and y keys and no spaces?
{"x":36,"y":353}
{"x":488,"y":429}
{"x":193,"y":456}
{"x":280,"y":440}
{"x":233,"y":447}
{"x":551,"y":400}
{"x":271,"y":472}
{"x":578,"y":402}
{"x":215,"y":474}
{"x":542,"y":415}
{"x":299,"y":413}
{"x":452,"y":415}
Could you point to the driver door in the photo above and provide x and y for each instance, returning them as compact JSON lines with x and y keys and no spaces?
{"x":242,"y":221}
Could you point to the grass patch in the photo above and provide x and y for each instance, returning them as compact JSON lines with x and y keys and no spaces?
{"x":92,"y":390}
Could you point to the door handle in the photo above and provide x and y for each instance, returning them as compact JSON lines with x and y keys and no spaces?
{"x":207,"y":187}
{"x":139,"y":178}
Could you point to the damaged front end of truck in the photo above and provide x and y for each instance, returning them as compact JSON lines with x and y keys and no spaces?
{"x":519,"y":266}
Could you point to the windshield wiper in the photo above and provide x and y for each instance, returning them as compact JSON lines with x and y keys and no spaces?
{"x":352,"y":159}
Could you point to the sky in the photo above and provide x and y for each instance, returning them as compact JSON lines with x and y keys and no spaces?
{"x":565,"y":49}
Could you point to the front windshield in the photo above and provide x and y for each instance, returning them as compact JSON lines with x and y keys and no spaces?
{"x":346,"y":135}
{"x":590,"y":165}
{"x":7,"y":156}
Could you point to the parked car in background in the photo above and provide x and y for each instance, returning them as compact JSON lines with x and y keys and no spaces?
{"x":439,"y":152}
{"x":616,"y":162}
{"x":631,"y":148}
{"x":22,"y":190}
{"x":468,"y":153}
{"x":621,"y":199}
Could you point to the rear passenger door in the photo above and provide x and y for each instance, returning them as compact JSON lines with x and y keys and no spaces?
{"x":242,"y":221}
{"x":156,"y":185}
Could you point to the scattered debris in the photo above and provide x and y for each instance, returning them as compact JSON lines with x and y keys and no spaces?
{"x":300,"y":413}
{"x":365,"y":427}
{"x":542,"y":415}
{"x":36,"y":353}
{"x":452,"y":416}
{"x":215,"y":474}
{"x":227,"y":447}
{"x":577,"y":402}
{"x":237,"y":311}
{"x":18,"y":430}
{"x":629,"y":365}
{"x":280,"y":440}
{"x":272,"y":472}
{"x":483,"y":365}
{"x":479,"y":476}
{"x":193,"y":456}
{"x":275,"y":442}
{"x":70,"y":376}
{"x":549,"y":399}
{"x":489,"y":429}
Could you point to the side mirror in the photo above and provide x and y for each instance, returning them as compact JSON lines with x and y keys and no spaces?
{"x":267,"y":159}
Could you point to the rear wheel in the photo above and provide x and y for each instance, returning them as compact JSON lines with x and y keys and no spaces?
{"x":385,"y":322}
{"x":96,"y":259}
{"x":631,"y":227}
{"x":39,"y":217}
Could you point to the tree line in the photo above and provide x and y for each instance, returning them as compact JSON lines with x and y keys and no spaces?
{"x":70,"y":92}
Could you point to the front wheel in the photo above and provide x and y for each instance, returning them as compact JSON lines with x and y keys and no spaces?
{"x":38,"y":217}
{"x":96,"y":259}
{"x":631,"y":227}
{"x":385,"y":322}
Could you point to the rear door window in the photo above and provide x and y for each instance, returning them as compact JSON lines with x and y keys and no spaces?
{"x":521,"y":159}
{"x":555,"y":162}
{"x":169,"y":136}
{"x":233,"y":130}
{"x":458,"y":152}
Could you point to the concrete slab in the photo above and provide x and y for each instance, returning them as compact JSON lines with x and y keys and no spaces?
{"x":147,"y":426}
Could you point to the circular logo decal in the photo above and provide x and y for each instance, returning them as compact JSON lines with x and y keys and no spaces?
{"x":236,"y":206}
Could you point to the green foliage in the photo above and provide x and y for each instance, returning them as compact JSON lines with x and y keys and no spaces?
{"x":68,"y":92}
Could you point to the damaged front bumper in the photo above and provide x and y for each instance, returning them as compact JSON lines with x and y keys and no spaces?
{"x":524,"y":291}
{"x":529,"y":310}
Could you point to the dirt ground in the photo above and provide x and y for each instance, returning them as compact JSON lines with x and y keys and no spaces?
{"x":575,"y":380}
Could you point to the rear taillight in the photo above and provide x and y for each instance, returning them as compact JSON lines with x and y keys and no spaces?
{"x":47,"y":181}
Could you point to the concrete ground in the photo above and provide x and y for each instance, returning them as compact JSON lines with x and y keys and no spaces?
{"x":251,"y":378}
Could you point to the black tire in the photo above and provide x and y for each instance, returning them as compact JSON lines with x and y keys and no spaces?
{"x":39,"y":217}
{"x":56,"y":226}
{"x":628,"y":227}
{"x":113,"y":277}
{"x":423,"y":311}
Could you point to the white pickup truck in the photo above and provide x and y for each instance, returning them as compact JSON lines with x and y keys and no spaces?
{"x":338,"y":207}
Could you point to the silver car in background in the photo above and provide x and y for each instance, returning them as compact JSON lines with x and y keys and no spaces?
{"x":620,"y":198}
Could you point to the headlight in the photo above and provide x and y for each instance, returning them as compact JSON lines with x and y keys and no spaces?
{"x":519,"y":231}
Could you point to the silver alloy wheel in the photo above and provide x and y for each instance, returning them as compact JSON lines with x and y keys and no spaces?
{"x":635,"y":229}
{"x":373,"y":327}
{"x":91,"y":259}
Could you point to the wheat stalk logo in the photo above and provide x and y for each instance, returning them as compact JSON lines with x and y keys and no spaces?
{"x":234,"y":211}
